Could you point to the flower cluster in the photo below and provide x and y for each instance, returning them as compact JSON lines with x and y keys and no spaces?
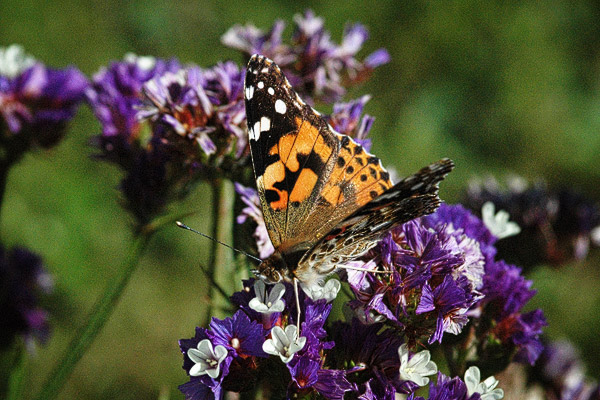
{"x":22,"y":279}
{"x":115,"y":96}
{"x":317,"y":67}
{"x":36,"y":102}
{"x":233,"y":354}
{"x":204,"y":106}
{"x":556,"y":225}
{"x":471,"y":388}
{"x":435,"y":275}
{"x":161,"y":122}
{"x":561,"y":374}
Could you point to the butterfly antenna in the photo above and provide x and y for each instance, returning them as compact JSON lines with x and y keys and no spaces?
{"x":184,"y":226}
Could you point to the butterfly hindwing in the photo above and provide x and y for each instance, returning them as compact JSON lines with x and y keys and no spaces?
{"x":414,"y":196}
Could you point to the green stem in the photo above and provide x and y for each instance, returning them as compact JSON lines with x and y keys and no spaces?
{"x":17,"y":375}
{"x":220,"y":266}
{"x":98,"y":317}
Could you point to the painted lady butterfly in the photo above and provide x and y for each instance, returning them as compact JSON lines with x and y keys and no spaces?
{"x":325,"y":199}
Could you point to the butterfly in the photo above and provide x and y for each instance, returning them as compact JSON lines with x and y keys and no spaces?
{"x":324,"y":198}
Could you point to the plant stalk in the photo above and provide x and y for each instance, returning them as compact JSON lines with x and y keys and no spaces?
{"x":100,"y":313}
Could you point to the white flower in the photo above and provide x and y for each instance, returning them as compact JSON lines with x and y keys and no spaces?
{"x":329,"y":291}
{"x":143,"y":62}
{"x":595,"y":235}
{"x":498,"y":223}
{"x":14,"y":60}
{"x":487,"y":389}
{"x":418,"y":367}
{"x":207,"y":361}
{"x":267,"y":304}
{"x":284,"y":343}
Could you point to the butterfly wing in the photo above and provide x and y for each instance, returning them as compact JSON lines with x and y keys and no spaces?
{"x":412,"y":197}
{"x":308,"y":176}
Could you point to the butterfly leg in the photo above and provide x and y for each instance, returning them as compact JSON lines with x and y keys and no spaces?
{"x":297,"y":304}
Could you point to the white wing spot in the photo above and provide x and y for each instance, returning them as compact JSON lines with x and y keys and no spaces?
{"x":280,"y":106}
{"x":256,"y":131}
{"x":265,"y":124}
{"x":261,"y":85}
{"x":271,"y":91}
{"x":249,"y":92}
{"x":264,"y":70}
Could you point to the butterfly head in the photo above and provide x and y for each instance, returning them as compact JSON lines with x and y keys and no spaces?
{"x":274,"y":269}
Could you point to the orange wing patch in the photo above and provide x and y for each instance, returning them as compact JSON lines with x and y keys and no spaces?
{"x":304,"y":185}
{"x":294,"y":149}
{"x":357,"y":176}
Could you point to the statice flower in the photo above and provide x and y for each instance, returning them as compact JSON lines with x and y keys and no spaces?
{"x":284,"y":344}
{"x":205,"y":106}
{"x":36,"y":102}
{"x":486,"y":389}
{"x":433,"y":274}
{"x":504,"y":328}
{"x":560,"y":373}
{"x":446,"y":388}
{"x":317,"y":67}
{"x":252,"y":335}
{"x":23,"y":279}
{"x":115,"y":95}
{"x":217,"y":357}
{"x":556,"y":225}
{"x":253,"y":212}
{"x":416,"y":368}
{"x":347,"y":119}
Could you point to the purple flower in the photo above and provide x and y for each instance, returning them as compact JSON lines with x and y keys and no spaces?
{"x":460,"y":218}
{"x":556,"y":225}
{"x":436,"y":271}
{"x":232,"y":347}
{"x":202,"y":106}
{"x":346,"y":119}
{"x":22,"y":280}
{"x":152,"y":169}
{"x":506,"y":293}
{"x":253,"y":210}
{"x":115,"y":94}
{"x":374,"y":365}
{"x":36,"y":102}
{"x":450,"y":389}
{"x":316,"y":67}
{"x":239,"y":335}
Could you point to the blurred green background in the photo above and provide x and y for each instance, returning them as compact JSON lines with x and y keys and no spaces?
{"x":499,"y":87}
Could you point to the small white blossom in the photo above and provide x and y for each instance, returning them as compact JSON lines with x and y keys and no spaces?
{"x":595,"y":235}
{"x":329,"y":291}
{"x":284,"y":343}
{"x":207,"y":360}
{"x":14,"y":60}
{"x":418,"y":367}
{"x":267,"y":304}
{"x":368,"y":317}
{"x":498,"y":223}
{"x":143,"y":62}
{"x":487,"y":389}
